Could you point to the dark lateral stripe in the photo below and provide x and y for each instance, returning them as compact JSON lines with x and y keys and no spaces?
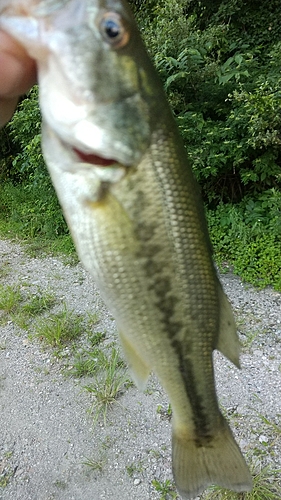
{"x":160,"y":283}
{"x":200,"y":418}
{"x":166,"y":304}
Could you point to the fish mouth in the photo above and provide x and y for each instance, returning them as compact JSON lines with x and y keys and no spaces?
{"x":94,"y":159}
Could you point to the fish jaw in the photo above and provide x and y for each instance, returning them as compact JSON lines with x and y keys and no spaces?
{"x":94,"y":172}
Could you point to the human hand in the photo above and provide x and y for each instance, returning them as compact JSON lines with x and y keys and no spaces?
{"x":17,"y":75}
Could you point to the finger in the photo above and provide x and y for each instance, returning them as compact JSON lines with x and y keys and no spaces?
{"x":18,"y":70}
{"x":7,"y":108}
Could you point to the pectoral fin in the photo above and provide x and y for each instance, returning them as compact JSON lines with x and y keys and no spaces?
{"x":228,"y":342}
{"x":139,"y":369}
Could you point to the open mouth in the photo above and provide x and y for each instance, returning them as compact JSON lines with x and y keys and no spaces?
{"x":94,"y":159}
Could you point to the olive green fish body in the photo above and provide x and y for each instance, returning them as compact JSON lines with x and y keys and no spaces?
{"x":167,"y":301}
{"x":133,"y":207}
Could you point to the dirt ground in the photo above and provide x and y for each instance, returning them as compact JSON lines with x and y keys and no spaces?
{"x":50,"y":448}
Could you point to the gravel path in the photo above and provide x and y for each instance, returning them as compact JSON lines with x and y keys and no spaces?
{"x":47,"y":431}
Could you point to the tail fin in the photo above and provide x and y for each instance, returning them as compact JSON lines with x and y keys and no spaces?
{"x":219,"y":462}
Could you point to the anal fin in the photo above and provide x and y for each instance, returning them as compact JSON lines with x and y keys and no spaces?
{"x":228,"y":342}
{"x":139,"y":369}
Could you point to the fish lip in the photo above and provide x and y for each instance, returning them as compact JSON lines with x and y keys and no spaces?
{"x":91,"y":158}
{"x":86,"y":157}
{"x":106,"y":170}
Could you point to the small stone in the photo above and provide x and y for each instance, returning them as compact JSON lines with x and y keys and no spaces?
{"x":263,"y":439}
{"x":137,"y":482}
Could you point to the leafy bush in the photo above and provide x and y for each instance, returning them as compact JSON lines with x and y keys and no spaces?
{"x":248,"y":236}
{"x":240,"y":155}
{"x":224,"y":87}
{"x":27,"y":199}
{"x":27,"y":163}
{"x":34,"y":212}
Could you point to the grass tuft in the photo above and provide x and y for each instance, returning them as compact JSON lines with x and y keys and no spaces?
{"x":266,"y":486}
{"x":167,"y":489}
{"x":10,"y":298}
{"x":109,"y":382}
{"x":60,"y":328}
{"x":95,"y":464}
{"x":19,"y":307}
{"x":38,"y":303}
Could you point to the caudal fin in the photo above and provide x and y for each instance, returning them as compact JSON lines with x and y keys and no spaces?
{"x":219,"y":462}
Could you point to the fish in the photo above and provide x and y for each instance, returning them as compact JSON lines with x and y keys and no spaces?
{"x":135,"y":213}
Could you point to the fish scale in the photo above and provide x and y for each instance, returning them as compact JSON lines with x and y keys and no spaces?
{"x":120,"y":170}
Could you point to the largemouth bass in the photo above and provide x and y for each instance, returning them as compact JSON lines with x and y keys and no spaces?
{"x":134,"y":210}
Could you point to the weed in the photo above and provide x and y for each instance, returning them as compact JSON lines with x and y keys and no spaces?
{"x":97,"y":338}
{"x":167,"y":489}
{"x":5,"y":269}
{"x":107,"y":443}
{"x":10,"y":297}
{"x":130,"y":470}
{"x":34,"y":304}
{"x":134,"y":467}
{"x":249,"y":338}
{"x":95,"y":464}
{"x":265,"y":487}
{"x":38,"y":304}
{"x":155,"y":453}
{"x":60,"y":328}
{"x":60,"y":484}
{"x":6,"y":470}
{"x":165,"y":413}
{"x":86,"y":363}
{"x":20,"y":307}
{"x":5,"y":478}
{"x":108,"y":383}
{"x":92,"y":318}
{"x":276,"y":428}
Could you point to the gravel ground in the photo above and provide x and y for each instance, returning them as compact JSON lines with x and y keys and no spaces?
{"x":47,"y":430}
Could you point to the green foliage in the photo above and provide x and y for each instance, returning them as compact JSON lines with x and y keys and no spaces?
{"x":224,"y":90}
{"x":27,"y":164}
{"x":110,"y":377}
{"x":27,"y":199}
{"x":248,"y":236}
{"x":166,"y":489}
{"x":6,"y":469}
{"x":20,"y":306}
{"x":32,"y":212}
{"x":10,"y":297}
{"x":60,"y":328}
{"x":95,"y":464}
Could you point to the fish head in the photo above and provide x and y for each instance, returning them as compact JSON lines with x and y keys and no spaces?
{"x":97,"y":85}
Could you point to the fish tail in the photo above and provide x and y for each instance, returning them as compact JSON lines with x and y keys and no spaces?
{"x":220,"y":462}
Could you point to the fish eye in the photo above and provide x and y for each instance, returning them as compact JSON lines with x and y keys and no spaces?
{"x":113,"y":30}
